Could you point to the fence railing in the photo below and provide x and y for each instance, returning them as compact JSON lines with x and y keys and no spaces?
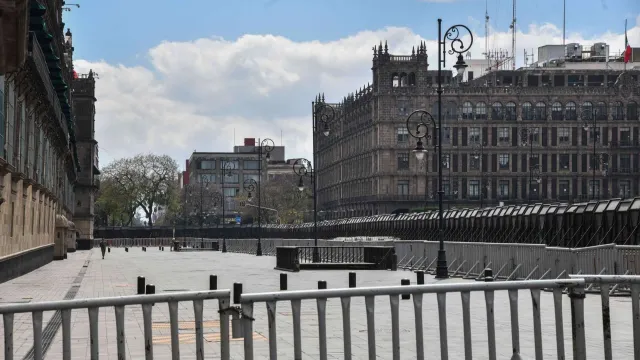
{"x":118,"y":303}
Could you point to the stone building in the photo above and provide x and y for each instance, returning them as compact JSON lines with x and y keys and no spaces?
{"x":565,"y":129}
{"x":38,"y":157}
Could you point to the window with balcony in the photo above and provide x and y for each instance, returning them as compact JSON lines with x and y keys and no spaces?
{"x":600,"y":111}
{"x":503,"y":135}
{"x":540,"y":112}
{"x":563,"y":161}
{"x":503,"y":189}
{"x":467,"y":111}
{"x":403,"y":161}
{"x":402,"y":135}
{"x":527,"y":111}
{"x":594,"y":162}
{"x":563,"y":136}
{"x":207,"y":164}
{"x":403,"y":187}
{"x":617,"y":111}
{"x":625,"y":136}
{"x":563,"y":189}
{"x":503,"y":161}
{"x":625,"y":163}
{"x":445,"y":161}
{"x":632,"y":110}
{"x":556,"y":111}
{"x":497,"y":112}
{"x":594,"y":188}
{"x":474,"y":162}
{"x":587,"y":111}
{"x":251,"y":164}
{"x":474,"y":135}
{"x":481,"y":111}
{"x":625,"y":189}
{"x":570,"y":111}
{"x":510,"y":111}
{"x":474,"y":188}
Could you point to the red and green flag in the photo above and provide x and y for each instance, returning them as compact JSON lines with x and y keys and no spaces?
{"x":627,"y":47}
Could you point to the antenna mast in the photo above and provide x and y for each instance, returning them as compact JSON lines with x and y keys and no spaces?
{"x":486,"y":33}
{"x":513,"y":37}
{"x":564,"y":21}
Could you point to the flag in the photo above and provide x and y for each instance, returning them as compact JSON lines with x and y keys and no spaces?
{"x":627,"y":47}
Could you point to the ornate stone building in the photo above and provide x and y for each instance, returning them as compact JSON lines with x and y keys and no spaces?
{"x":563,"y":130}
{"x":38,"y":157}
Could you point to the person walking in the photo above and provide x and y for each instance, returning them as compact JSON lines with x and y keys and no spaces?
{"x":103,"y":247}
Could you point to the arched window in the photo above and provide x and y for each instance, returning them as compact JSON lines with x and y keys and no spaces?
{"x":570,"y":111}
{"x":451,"y":111}
{"x":541,"y":111}
{"x":617,"y":111}
{"x":510,"y":112}
{"x":403,"y":80}
{"x":527,"y":111}
{"x":632,"y":110}
{"x":600,"y":111}
{"x":497,"y":112}
{"x":412,"y":79}
{"x":556,"y":111}
{"x":395,"y":80}
{"x":587,"y":111}
{"x":467,"y":111}
{"x":481,"y":111}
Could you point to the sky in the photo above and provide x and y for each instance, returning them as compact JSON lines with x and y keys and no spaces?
{"x":174,"y":77}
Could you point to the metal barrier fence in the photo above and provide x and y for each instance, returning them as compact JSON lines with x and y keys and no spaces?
{"x":119,"y":303}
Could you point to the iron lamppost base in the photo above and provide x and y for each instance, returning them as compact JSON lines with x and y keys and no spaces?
{"x":442,"y":272}
{"x":259,"y":249}
{"x":316,"y":254}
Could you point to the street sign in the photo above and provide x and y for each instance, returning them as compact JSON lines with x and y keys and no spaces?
{"x":238,"y":219}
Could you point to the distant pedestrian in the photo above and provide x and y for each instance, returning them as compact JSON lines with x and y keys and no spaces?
{"x":103,"y":247}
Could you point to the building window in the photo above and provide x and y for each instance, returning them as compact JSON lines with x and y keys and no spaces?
{"x":445,"y":161}
{"x":632,"y":110}
{"x":587,"y":111}
{"x":467,"y":111}
{"x":625,"y":136}
{"x":403,"y":161}
{"x":231,"y":192}
{"x":556,"y":111}
{"x":403,"y":187}
{"x":563,"y":135}
{"x":541,"y":112}
{"x":600,"y":111}
{"x":402,"y":108}
{"x":564,"y":161}
{"x":625,"y":189}
{"x":251,"y":164}
{"x":230,"y":164}
{"x":510,"y":111}
{"x":503,"y":135}
{"x":207,"y":164}
{"x":253,"y":177}
{"x":474,"y":188}
{"x":474,"y":135}
{"x":594,"y":188}
{"x":617,"y":112}
{"x":503,"y":161}
{"x":527,"y":111}
{"x":503,"y":189}
{"x":570,"y":112}
{"x":474,"y":162}
{"x":207,"y":178}
{"x":563,"y":189}
{"x":625,"y":163}
{"x":481,"y":111}
{"x":496,"y":111}
{"x":402,"y":134}
{"x":231,"y":179}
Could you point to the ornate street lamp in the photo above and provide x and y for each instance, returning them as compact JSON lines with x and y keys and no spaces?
{"x":266,"y":146}
{"x":250,"y":186}
{"x":226,"y":166}
{"x":302,"y":167}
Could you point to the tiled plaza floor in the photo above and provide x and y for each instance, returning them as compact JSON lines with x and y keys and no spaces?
{"x":169,"y":271}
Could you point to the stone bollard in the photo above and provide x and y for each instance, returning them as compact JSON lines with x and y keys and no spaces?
{"x":213,"y":282}
{"x":352,"y":279}
{"x":322,"y":285}
{"x":141,"y":288}
{"x":283,"y":281}
{"x":405,"y":282}
{"x":488,"y":275}
{"x":420,"y":277}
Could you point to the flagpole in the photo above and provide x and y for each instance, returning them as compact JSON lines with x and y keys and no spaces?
{"x":625,"y":44}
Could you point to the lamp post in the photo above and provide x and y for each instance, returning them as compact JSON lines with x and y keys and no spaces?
{"x":225,"y":166}
{"x":527,"y":136}
{"x":250,"y":187}
{"x":266,"y":146}
{"x":302,"y":167}
{"x":452,"y":35}
{"x":589,"y":114}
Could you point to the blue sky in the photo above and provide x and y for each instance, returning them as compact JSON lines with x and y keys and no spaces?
{"x":121,"y":31}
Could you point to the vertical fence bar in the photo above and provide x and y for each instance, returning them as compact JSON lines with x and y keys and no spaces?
{"x":394,"y":301}
{"x":66,"y":334}
{"x":442,"y":318}
{"x":491,"y":325}
{"x":36,"y":318}
{"x":173,"y":321}
{"x":557,"y":306}
{"x":417,"y":310}
{"x":119,"y":310}
{"x":322,"y":327}
{"x":606,"y":321}
{"x":370,"y":306}
{"x":93,"y":332}
{"x":273,"y":336}
{"x":346,"y":326}
{"x":197,"y":312}
{"x":466,"y":324}
{"x":577,"y":323}
{"x":225,"y":352}
{"x":148,"y":331}
{"x":297,"y":332}
{"x":635,"y":308}
{"x":537,"y":325}
{"x":7,"y":320}
{"x":515,"y":326}
{"x":247,"y":327}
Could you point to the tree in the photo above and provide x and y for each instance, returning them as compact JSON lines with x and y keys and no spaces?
{"x":114,"y":205}
{"x":281,"y":194}
{"x":146,"y":181}
{"x":201,"y":201}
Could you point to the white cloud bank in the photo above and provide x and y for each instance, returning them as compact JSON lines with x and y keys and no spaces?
{"x":197,"y":94}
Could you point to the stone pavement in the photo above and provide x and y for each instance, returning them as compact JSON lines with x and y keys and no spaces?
{"x":169,"y":271}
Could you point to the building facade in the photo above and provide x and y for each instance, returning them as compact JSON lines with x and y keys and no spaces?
{"x":88,"y":181}
{"x":38,"y":156}
{"x":557,"y":131}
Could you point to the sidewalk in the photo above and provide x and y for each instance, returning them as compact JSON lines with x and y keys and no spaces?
{"x":168,"y":271}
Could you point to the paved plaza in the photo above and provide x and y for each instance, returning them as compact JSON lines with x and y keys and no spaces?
{"x":86,"y":275}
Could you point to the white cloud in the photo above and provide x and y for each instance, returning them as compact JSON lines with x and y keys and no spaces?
{"x":196,"y":95}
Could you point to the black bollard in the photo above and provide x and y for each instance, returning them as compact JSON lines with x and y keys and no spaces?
{"x":322,"y":285}
{"x":488,"y":275}
{"x":420,"y":277}
{"x":151,"y":289}
{"x":405,"y":282}
{"x":213,"y":282}
{"x":283,"y":281}
{"x":108,"y":249}
{"x":237,"y":291}
{"x":352,"y":279}
{"x":126,"y":249}
{"x":141,"y":285}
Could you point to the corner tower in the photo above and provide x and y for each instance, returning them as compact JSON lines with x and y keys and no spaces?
{"x":394,"y":71}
